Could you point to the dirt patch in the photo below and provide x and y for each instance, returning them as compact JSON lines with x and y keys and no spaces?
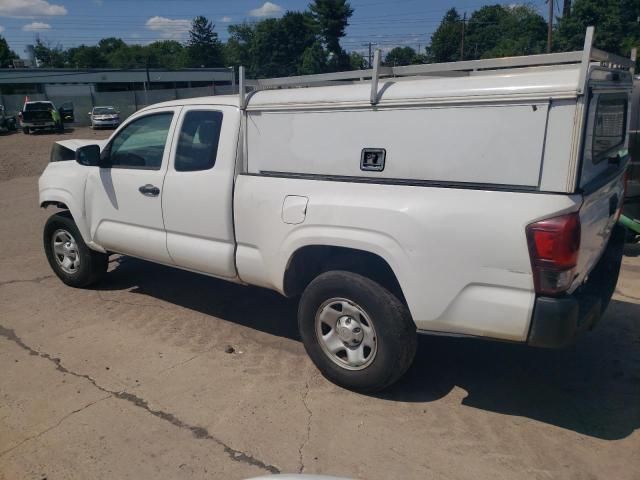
{"x":27,"y":155}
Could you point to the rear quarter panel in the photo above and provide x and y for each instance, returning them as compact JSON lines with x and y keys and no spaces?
{"x":460,"y":255}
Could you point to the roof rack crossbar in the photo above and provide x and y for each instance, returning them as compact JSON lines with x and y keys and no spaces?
{"x":611,"y":59}
{"x":583,"y":57}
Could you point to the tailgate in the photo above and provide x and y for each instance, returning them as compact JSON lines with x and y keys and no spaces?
{"x":598,"y":216}
{"x":604,"y":162}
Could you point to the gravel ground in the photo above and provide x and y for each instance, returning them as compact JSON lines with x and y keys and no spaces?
{"x":27,"y":155}
{"x":132,"y":379}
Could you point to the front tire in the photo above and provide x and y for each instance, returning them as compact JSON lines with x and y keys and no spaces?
{"x":358,"y":334}
{"x":69,"y":257}
{"x":25,"y":130}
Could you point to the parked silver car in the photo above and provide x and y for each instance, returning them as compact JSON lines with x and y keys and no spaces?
{"x":104,"y":117}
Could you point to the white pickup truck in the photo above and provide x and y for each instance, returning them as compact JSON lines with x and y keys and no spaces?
{"x":478,"y":198}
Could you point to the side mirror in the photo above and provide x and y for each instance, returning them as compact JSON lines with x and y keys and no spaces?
{"x":89,"y":113}
{"x":89,"y":155}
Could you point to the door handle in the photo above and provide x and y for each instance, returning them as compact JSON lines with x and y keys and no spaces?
{"x":149,"y":190}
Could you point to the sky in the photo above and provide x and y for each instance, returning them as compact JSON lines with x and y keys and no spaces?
{"x":74,"y":22}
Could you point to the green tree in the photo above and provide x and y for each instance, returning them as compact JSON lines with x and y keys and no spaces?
{"x":314,"y":60}
{"x":49,"y":56}
{"x":166,"y":54}
{"x":129,"y":56}
{"x":6,"y":54}
{"x":401,"y":56}
{"x":109,"y":45}
{"x":357,"y":61}
{"x":237,"y":49}
{"x":445,"y":41}
{"x":277,"y":46}
{"x":616,"y":22}
{"x":203,"y":47}
{"x":499,"y":31}
{"x":85,"y":57}
{"x":332,"y":19}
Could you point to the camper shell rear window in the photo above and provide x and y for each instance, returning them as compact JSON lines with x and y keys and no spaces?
{"x":610,"y":125}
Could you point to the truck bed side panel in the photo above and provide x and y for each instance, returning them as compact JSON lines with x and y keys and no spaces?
{"x":460,"y":255}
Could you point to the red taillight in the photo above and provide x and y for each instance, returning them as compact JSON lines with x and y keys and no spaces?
{"x":553,"y":247}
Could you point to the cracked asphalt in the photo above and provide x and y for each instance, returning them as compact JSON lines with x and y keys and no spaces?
{"x":131,"y":380}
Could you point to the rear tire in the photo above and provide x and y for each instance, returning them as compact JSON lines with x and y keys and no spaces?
{"x":69,"y":257}
{"x":358,"y":334}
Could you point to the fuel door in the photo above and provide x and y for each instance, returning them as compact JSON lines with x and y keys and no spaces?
{"x":294,"y":209}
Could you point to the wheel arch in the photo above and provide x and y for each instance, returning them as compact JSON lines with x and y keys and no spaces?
{"x":54,"y":203}
{"x":309,"y":261}
{"x":62,"y":199}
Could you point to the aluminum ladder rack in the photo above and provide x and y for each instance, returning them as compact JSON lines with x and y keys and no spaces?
{"x":583,"y":57}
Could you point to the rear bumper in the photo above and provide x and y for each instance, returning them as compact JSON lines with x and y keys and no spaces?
{"x":37,"y":125}
{"x":557,"y":321}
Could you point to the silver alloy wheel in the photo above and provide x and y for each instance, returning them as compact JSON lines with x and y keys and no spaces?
{"x":65,"y":251}
{"x":346,"y":334}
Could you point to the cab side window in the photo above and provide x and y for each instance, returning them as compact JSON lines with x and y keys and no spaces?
{"x":141,"y":143}
{"x":198,"y":141}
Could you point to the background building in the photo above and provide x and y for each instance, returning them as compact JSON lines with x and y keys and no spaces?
{"x":127,"y":90}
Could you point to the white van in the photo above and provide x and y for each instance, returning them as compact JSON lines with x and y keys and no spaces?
{"x":477,"y":198}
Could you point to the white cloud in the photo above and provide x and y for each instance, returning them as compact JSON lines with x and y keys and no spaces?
{"x":30,"y":8}
{"x":267,"y":10}
{"x":226,"y":19}
{"x":1,"y":29}
{"x":36,"y":27}
{"x":169,"y":28}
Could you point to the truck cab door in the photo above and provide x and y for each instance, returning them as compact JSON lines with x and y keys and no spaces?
{"x":197,"y":199}
{"x":123,"y":196}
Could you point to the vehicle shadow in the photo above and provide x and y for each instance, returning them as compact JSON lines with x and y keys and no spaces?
{"x":592,"y":388}
{"x":52,"y":132}
{"x":252,"y":307}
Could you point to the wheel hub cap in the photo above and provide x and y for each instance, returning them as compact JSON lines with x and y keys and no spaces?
{"x":65,"y":251}
{"x":346,"y":334}
{"x":349,"y":331}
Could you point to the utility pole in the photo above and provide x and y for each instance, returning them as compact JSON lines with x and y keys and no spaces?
{"x":464,"y":22}
{"x":550,"y":29}
{"x":370,"y":58}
